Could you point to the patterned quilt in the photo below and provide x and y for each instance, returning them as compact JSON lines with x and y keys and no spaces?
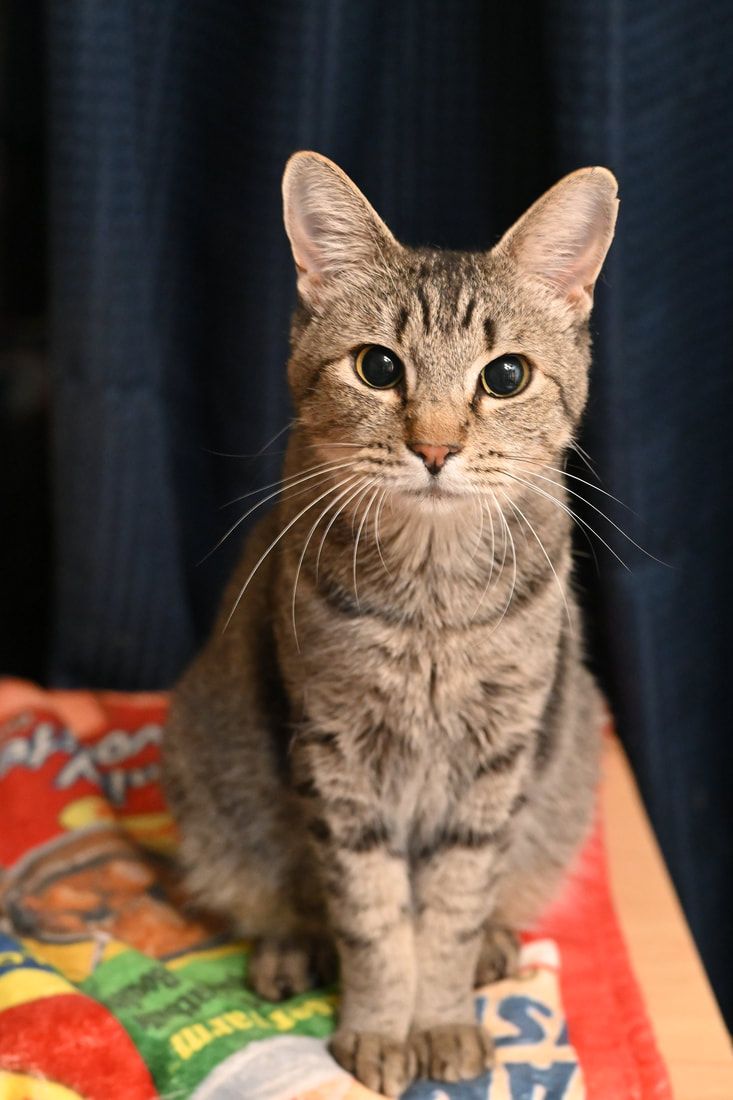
{"x":111,"y":988}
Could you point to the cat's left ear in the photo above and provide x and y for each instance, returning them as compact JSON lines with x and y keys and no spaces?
{"x":563,"y":238}
{"x":334,"y":233}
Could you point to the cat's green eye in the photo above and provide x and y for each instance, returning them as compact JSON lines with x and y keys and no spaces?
{"x":378,"y":367}
{"x":506,"y":376}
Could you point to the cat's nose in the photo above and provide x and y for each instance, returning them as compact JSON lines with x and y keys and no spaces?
{"x":434,"y":455}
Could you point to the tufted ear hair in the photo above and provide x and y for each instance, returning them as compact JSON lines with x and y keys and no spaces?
{"x":563,"y":238}
{"x":334,"y":232}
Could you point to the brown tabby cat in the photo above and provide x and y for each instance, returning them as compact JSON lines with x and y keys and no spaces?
{"x":390,"y":742}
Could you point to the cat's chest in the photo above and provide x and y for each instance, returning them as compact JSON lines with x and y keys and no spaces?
{"x":433,"y":688}
{"x":422,"y":731}
{"x":417,"y":713}
{"x":431,"y":684}
{"x":425,"y":705}
{"x":413,"y":682}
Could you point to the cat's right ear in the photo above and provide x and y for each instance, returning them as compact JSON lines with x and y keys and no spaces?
{"x":334,"y":232}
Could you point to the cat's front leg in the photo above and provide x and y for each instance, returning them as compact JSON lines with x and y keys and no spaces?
{"x":369,"y":908}
{"x":454,"y":887}
{"x":366,"y":889}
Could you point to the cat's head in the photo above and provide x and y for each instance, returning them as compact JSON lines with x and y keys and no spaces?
{"x":435,"y":371}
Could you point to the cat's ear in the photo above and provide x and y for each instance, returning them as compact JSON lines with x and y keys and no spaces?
{"x":563,"y":238}
{"x":334,"y":233}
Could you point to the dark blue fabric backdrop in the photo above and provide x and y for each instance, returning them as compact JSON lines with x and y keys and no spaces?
{"x":172,"y":284}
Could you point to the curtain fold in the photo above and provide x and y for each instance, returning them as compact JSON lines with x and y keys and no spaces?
{"x":172,"y":286}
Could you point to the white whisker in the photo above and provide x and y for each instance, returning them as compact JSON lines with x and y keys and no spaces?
{"x":481,"y":528}
{"x":514,"y":568}
{"x":584,"y":457}
{"x":574,"y":477}
{"x":601,"y":513}
{"x":493,"y":541}
{"x":521,"y":514}
{"x":573,"y":515}
{"x":371,"y":500}
{"x":290,"y":482}
{"x":503,"y":560}
{"x":257,"y":454}
{"x":324,"y":476}
{"x":349,"y":484}
{"x":562,"y":485}
{"x":377,"y":514}
{"x":333,"y":519}
{"x":272,"y":545}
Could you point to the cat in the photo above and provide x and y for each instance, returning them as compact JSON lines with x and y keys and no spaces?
{"x":388,"y":749}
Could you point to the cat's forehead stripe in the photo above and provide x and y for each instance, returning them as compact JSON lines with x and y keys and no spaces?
{"x":424,"y":306}
{"x":443,"y":290}
{"x":470,"y":307}
{"x":402,"y":318}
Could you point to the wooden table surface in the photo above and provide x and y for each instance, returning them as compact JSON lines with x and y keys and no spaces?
{"x":690,"y":1031}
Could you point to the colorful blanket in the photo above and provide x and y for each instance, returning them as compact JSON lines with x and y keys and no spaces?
{"x":111,"y":989}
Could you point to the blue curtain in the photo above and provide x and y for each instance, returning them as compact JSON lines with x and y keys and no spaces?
{"x":172,"y":285}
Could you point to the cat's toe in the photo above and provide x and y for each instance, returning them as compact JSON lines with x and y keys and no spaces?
{"x":453,"y":1052}
{"x":499,"y":956}
{"x":283,"y":967}
{"x":385,"y":1065}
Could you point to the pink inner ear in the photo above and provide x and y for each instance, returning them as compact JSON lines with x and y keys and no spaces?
{"x":318,"y":247}
{"x":563,"y":239}
{"x":579,"y":277}
{"x":333,"y":230}
{"x":305,"y":232}
{"x":565,"y":254}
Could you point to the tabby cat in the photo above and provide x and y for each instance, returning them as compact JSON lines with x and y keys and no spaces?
{"x":387,"y":752}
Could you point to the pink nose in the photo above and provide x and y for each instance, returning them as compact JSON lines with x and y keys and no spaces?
{"x":434,"y":455}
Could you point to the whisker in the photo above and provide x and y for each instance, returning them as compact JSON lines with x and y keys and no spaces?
{"x":272,"y":545}
{"x":248,"y":457}
{"x":377,"y":514}
{"x":574,"y":477}
{"x":518,"y":511}
{"x":263,"y":448}
{"x":584,"y":457}
{"x":372,"y":498}
{"x":333,"y":519}
{"x":288,"y":482}
{"x":481,"y":528}
{"x":349,"y":484}
{"x":582,"y":530}
{"x":270,"y":496}
{"x":601,"y":513}
{"x":514,"y":569}
{"x":573,"y":515}
{"x":503,"y":559}
{"x":493,"y":542}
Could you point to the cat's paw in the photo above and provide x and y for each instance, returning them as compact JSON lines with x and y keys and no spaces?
{"x":282,"y":967}
{"x":383,"y":1064}
{"x":452,"y":1052}
{"x":499,"y":956}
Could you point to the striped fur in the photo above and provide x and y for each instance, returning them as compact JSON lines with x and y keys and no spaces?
{"x":393,"y":747}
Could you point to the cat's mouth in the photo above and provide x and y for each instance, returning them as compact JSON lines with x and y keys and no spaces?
{"x":433,"y":491}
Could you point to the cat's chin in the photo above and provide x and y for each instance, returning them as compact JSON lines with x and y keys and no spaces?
{"x":434,"y":498}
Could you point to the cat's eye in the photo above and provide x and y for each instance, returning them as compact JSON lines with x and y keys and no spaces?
{"x":506,"y":376}
{"x":378,"y":367}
